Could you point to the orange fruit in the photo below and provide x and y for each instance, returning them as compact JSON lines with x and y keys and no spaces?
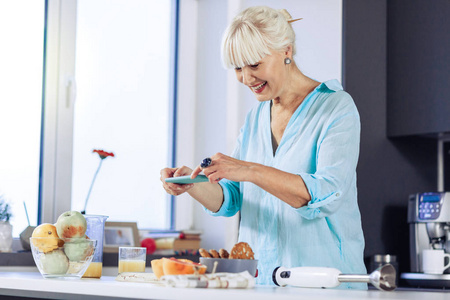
{"x":157,"y":267}
{"x":46,"y":238}
{"x":173,"y":266}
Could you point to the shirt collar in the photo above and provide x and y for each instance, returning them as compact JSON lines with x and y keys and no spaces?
{"x":331,"y":85}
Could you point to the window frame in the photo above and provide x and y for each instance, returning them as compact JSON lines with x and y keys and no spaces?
{"x":58,"y":98}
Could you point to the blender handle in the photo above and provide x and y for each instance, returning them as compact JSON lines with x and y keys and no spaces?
{"x":312,"y":277}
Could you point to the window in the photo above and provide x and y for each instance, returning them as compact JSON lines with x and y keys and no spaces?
{"x":123,"y":69}
{"x":108,"y":78}
{"x":21,"y":61}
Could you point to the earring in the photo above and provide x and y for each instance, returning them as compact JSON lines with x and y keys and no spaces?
{"x":287,"y":61}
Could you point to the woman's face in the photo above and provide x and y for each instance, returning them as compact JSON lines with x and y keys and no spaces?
{"x":265,"y":78}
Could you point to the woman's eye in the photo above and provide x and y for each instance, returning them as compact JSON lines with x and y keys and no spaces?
{"x":254,"y":66}
{"x":237,"y":69}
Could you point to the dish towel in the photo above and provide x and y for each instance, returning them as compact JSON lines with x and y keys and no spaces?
{"x":241,"y":280}
{"x":139,"y":277}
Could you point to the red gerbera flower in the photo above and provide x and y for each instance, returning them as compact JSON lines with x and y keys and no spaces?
{"x":102,"y":154}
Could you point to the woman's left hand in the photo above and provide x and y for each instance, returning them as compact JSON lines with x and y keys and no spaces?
{"x":224,"y":166}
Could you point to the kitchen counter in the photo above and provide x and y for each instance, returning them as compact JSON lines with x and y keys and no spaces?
{"x":33,"y":285}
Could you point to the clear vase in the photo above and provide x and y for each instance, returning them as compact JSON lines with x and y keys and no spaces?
{"x":6,"y":238}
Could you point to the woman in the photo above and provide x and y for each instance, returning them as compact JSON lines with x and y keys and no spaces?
{"x":292,"y":175}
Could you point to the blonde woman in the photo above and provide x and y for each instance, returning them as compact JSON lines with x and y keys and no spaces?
{"x":292,"y":175}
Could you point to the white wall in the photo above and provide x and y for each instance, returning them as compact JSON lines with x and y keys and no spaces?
{"x":211,"y":103}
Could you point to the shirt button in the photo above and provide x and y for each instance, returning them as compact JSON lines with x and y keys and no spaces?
{"x":337,"y":194}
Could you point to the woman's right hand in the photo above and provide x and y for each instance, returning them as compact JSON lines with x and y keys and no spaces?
{"x":174,"y":188}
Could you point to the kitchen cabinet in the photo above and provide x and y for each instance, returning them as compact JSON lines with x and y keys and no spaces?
{"x":418,"y":67}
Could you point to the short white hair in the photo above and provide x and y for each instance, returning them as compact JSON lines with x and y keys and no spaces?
{"x":254,"y":33}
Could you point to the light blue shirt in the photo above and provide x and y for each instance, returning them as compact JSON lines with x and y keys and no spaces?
{"x":320,"y":144}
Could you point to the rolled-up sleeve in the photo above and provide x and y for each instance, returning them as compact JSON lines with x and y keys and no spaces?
{"x":232,"y":199}
{"x":337,"y":157}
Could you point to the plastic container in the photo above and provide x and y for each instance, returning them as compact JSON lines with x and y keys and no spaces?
{"x":230,"y":265}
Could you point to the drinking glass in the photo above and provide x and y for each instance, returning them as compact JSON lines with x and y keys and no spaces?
{"x":132,"y":259}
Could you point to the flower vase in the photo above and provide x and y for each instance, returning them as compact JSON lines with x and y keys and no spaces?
{"x":6,"y":238}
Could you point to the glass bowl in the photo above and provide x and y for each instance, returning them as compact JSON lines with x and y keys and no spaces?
{"x":56,"y":258}
{"x":230,"y":265}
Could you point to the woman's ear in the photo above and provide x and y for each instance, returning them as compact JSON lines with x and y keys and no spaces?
{"x":288,"y":51}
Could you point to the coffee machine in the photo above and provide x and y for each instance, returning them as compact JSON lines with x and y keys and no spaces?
{"x":429,"y":226}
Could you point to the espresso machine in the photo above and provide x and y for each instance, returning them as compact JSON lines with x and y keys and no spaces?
{"x":429,"y":228}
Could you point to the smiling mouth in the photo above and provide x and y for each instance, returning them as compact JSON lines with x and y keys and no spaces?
{"x":259,"y":88}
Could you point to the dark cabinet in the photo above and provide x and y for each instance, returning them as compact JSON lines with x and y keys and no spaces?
{"x":418,"y":67}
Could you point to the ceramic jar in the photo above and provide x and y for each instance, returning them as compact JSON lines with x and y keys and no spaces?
{"x":6,"y":238}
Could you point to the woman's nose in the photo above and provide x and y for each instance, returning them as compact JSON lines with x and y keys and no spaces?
{"x":246,"y":76}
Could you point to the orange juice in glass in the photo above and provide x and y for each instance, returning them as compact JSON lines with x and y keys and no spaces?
{"x":126,"y":265}
{"x":132,"y":259}
{"x":94,"y":270}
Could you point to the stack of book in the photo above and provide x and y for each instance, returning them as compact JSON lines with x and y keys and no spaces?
{"x":169,"y":242}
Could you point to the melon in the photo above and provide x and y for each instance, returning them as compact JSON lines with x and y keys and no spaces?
{"x":173,"y":266}
{"x":157,"y":267}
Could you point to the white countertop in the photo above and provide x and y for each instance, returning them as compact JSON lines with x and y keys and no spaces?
{"x":32,"y":284}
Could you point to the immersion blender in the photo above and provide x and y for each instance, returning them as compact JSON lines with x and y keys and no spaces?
{"x":382,"y":278}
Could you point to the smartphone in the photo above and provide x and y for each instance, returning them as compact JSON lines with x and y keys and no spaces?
{"x":187,"y":179}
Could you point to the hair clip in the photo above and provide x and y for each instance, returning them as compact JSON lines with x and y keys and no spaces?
{"x":293,"y":20}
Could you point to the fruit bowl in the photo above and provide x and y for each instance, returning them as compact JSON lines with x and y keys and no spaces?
{"x":56,"y":258}
{"x":226,"y":265}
